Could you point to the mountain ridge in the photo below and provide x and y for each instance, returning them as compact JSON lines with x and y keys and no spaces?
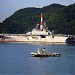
{"x":58,"y":17}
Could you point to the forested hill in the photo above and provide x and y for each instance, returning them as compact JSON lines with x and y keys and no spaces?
{"x":59,"y":18}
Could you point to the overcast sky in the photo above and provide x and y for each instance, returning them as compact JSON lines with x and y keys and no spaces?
{"x":8,"y":7}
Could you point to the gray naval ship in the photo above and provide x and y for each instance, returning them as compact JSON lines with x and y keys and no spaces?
{"x":39,"y":34}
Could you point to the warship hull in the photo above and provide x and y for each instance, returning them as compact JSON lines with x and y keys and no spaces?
{"x":33,"y":38}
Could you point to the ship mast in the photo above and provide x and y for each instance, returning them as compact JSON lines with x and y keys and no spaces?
{"x":41,"y":23}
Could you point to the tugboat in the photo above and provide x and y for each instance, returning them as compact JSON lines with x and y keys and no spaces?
{"x":43,"y":53}
{"x":70,"y":40}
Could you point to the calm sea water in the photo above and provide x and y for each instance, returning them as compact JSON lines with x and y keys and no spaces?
{"x":15,"y":59}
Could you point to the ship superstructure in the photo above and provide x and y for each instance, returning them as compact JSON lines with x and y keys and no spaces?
{"x":39,"y":34}
{"x":41,"y":28}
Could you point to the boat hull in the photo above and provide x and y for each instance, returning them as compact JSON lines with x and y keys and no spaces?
{"x":46,"y":55}
{"x":34,"y":38}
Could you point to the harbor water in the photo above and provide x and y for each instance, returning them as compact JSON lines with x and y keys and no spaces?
{"x":15,"y":59}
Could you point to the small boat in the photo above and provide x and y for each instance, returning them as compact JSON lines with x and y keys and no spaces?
{"x":43,"y":53}
{"x":70,"y":40}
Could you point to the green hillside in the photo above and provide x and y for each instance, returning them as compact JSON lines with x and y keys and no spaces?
{"x":59,"y":18}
